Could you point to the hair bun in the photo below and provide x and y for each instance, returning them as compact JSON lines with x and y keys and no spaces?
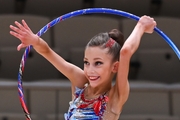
{"x":116,"y":35}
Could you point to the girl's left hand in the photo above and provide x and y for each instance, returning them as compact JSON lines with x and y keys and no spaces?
{"x":147,"y":23}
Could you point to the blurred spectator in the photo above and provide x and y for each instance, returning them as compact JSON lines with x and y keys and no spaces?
{"x":155,"y":7}
{"x":20,"y":6}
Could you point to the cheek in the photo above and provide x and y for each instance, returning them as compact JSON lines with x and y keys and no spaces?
{"x":103,"y":71}
{"x":107,"y":70}
{"x":85,"y":71}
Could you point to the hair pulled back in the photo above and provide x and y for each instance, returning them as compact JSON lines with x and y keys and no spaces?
{"x":102,"y":39}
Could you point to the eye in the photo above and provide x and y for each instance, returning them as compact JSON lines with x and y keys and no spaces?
{"x":98,"y":63}
{"x":86,"y":63}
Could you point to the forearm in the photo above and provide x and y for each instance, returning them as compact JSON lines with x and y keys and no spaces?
{"x":57,"y":61}
{"x":41,"y":47}
{"x":72,"y":72}
{"x":133,"y":41}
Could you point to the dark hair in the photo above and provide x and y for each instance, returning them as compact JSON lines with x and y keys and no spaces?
{"x":102,"y":39}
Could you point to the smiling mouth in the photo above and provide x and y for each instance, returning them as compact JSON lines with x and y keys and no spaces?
{"x":92,"y":78}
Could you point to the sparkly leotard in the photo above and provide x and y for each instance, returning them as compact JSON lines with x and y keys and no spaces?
{"x":83,"y":109}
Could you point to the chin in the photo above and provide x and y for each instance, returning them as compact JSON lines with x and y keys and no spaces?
{"x":94,"y":83}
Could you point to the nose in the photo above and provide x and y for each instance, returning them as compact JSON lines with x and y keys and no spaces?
{"x":90,"y":69}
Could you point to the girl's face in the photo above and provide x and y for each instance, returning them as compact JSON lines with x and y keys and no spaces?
{"x":98,"y":66}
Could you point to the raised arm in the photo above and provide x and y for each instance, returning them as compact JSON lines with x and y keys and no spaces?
{"x":27,"y":37}
{"x":144,"y":25}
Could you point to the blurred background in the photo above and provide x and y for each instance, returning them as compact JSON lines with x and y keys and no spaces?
{"x":154,"y":69}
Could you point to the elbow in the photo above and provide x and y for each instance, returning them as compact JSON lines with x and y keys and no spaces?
{"x":126,"y":51}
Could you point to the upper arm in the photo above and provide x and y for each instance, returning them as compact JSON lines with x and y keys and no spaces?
{"x":128,"y":49}
{"x":120,"y":91}
{"x":122,"y":84}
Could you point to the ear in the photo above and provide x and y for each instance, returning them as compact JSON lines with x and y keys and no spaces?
{"x":115,"y":67}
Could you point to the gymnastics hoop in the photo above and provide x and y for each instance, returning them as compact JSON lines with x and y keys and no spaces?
{"x":70,"y":15}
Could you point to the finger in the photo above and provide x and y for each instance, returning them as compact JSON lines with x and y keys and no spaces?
{"x":16,"y":35}
{"x":155,"y":23}
{"x":25,"y":25}
{"x":16,"y":30}
{"x":20,"y":26}
{"x":20,"y":46}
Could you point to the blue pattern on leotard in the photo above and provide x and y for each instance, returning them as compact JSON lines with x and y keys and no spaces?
{"x":75,"y":113}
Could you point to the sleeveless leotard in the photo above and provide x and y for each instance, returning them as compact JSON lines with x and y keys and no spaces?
{"x":86,"y":109}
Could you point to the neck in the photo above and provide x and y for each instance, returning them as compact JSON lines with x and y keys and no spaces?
{"x":92,"y":92}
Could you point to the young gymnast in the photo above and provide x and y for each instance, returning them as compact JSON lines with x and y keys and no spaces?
{"x":106,"y":56}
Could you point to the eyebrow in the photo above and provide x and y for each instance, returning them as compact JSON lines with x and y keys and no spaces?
{"x":93,"y":59}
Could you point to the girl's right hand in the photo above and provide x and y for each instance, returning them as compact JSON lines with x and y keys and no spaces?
{"x":147,"y":23}
{"x":24,"y":34}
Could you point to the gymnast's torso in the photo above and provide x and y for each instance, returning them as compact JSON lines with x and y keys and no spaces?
{"x":89,"y":109}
